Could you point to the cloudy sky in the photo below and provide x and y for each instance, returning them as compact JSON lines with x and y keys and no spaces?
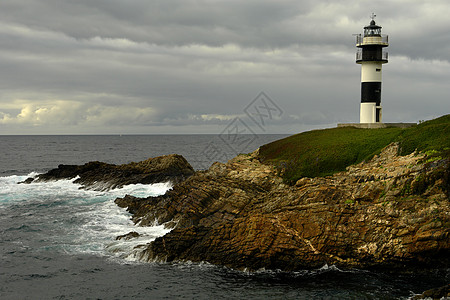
{"x":193,"y":66}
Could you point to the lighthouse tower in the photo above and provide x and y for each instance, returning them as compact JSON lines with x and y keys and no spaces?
{"x":371,"y":57}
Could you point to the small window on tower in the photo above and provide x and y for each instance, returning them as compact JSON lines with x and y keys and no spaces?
{"x":378,"y":70}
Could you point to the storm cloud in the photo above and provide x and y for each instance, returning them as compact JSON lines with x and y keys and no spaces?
{"x":110,"y":66}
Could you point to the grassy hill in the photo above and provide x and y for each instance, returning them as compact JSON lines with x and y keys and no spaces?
{"x":324,"y":152}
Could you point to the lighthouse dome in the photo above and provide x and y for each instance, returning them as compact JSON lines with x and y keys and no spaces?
{"x":372,"y":30}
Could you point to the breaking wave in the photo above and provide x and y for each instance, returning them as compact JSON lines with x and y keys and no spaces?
{"x":77,"y":220}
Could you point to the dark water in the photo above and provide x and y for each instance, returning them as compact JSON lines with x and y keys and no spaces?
{"x":58,"y":242}
{"x":24,"y":154}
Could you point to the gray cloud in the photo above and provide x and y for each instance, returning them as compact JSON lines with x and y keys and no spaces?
{"x":105,"y":66}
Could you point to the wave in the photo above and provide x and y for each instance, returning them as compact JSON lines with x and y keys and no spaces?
{"x":75,"y":220}
{"x":12,"y":191}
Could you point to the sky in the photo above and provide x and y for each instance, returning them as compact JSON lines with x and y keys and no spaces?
{"x":200,"y":66}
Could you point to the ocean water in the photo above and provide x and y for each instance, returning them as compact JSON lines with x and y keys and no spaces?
{"x":57,"y":241}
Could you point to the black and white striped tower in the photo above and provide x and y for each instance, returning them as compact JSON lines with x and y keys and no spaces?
{"x":371,"y":57}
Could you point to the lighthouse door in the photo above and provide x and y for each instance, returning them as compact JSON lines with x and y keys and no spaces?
{"x":378,"y":115}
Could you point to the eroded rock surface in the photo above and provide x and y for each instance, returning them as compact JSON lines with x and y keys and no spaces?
{"x":390,"y":212}
{"x":103,"y":176}
{"x":442,"y":292}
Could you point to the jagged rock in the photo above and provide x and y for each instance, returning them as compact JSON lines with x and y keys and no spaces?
{"x":102,"y":176}
{"x":241,"y":214}
{"x":28,"y":180}
{"x":128,"y":236}
{"x":437,"y":293}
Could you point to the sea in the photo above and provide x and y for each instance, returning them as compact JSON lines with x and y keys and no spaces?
{"x":58,"y":241}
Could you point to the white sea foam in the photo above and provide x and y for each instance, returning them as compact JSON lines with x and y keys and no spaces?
{"x":87,"y":221}
{"x":10,"y":190}
{"x":104,"y":223}
{"x":13,"y":192}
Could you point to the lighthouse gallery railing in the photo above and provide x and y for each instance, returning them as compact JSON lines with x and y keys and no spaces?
{"x":383,"y":40}
{"x":371,"y":56}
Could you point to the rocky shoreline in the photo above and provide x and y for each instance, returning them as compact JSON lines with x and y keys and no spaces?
{"x":102,"y":176}
{"x":390,"y":213}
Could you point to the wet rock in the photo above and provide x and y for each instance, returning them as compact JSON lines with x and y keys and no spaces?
{"x":28,"y":180}
{"x":128,"y":236}
{"x":437,"y":293}
{"x":102,"y":176}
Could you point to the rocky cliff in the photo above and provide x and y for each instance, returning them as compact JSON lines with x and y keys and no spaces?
{"x":103,"y":176}
{"x":389,"y":212}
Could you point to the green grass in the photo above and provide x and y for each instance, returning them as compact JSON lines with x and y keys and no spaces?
{"x":433,"y":136}
{"x":324,"y":152}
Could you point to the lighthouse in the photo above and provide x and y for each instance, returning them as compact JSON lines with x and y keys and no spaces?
{"x":371,"y":57}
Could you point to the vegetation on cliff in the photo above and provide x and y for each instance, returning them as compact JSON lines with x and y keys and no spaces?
{"x":324,"y":152}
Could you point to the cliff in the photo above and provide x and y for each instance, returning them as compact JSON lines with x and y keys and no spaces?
{"x":391,"y":211}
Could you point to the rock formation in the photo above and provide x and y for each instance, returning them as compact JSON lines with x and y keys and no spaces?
{"x":442,"y":292}
{"x":103,"y":176}
{"x":390,"y":212}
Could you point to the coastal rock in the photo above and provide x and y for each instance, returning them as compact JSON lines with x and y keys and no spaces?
{"x":390,"y":212}
{"x":102,"y":176}
{"x":128,"y":236}
{"x":442,"y":292}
